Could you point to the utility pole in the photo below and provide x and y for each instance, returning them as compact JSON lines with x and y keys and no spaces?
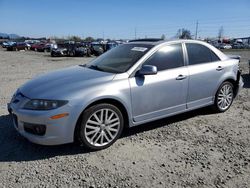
{"x":103,"y":35}
{"x":196,"y":30}
{"x":135,"y":33}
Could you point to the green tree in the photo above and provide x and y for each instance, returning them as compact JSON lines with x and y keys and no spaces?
{"x":89,"y":39}
{"x":183,"y":34}
{"x":75,"y":38}
{"x":163,"y":37}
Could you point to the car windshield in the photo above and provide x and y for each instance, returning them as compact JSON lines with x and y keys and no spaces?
{"x":120,"y":58}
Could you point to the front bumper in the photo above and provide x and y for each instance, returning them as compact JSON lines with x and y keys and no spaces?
{"x":59,"y":131}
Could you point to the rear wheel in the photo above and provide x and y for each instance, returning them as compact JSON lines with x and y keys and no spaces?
{"x":224,"y":97}
{"x":71,"y":53}
{"x":88,"y":53}
{"x":101,"y":126}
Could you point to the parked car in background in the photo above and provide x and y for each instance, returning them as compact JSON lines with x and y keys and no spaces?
{"x":225,"y":46}
{"x":71,"y":49}
{"x":110,"y":45}
{"x":215,"y":44}
{"x":129,"y":85}
{"x":49,"y":46}
{"x":97,"y":48}
{"x":39,"y":47}
{"x":7,"y":44}
{"x":59,"y":52}
{"x":238,"y":46}
{"x":18,"y":46}
{"x":76,"y":50}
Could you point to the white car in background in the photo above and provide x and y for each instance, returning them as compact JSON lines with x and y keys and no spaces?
{"x":225,"y":46}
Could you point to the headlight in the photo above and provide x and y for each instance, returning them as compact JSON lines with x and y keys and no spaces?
{"x":37,"y":104}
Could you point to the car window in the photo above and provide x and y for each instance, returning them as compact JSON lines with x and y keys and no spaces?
{"x":167,"y":57}
{"x":198,"y":54}
{"x":121,"y":58}
{"x":214,"y":57}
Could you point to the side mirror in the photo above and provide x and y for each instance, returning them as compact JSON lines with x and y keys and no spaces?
{"x":147,"y":70}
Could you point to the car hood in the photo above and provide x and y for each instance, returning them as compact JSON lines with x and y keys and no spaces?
{"x":62,"y":83}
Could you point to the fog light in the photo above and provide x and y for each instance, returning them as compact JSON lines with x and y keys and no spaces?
{"x":36,"y":129}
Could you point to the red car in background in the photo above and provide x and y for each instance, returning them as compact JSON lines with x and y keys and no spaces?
{"x":38,"y":47}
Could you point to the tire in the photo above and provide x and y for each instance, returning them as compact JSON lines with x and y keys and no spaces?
{"x":88,"y":53}
{"x":224,"y":97}
{"x":71,"y":53}
{"x":97,"y":135}
{"x":53,"y":54}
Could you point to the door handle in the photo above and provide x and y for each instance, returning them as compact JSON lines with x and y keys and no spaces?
{"x":181,"y":77}
{"x":219,"y":68}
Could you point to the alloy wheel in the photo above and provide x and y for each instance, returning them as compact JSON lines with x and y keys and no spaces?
{"x":102,"y":127}
{"x":225,"y":97}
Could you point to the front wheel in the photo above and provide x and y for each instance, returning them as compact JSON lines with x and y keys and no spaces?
{"x":224,"y":97}
{"x":101,"y":126}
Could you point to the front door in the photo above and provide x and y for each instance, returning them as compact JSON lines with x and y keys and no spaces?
{"x":163,"y":94}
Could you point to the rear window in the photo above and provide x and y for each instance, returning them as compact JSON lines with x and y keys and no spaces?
{"x":198,"y":54}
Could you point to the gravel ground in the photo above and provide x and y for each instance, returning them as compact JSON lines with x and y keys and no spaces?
{"x":195,"y":149}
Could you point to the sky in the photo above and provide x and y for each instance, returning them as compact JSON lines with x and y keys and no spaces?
{"x":126,"y":19}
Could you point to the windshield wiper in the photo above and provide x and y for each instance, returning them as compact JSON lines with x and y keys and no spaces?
{"x":95,"y":67}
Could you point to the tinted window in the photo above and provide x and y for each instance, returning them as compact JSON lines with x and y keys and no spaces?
{"x":198,"y":53}
{"x":120,"y":58}
{"x":214,"y":56}
{"x":167,"y":57}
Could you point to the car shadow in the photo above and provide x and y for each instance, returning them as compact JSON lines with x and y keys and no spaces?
{"x":13,"y":147}
{"x":246,"y":80}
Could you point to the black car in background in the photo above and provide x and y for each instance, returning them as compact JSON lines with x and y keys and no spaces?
{"x":7,"y":44}
{"x":110,"y":45}
{"x":98,"y":48}
{"x":18,"y":46}
{"x":71,"y":49}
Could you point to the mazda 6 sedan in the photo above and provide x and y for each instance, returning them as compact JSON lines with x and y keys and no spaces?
{"x":129,"y":85}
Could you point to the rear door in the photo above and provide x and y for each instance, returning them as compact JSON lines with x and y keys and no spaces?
{"x":155,"y":96}
{"x":205,"y":69}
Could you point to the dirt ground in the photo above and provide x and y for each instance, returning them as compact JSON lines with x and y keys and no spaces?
{"x":195,"y":149}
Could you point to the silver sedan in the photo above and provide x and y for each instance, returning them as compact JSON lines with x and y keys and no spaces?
{"x":132,"y":84}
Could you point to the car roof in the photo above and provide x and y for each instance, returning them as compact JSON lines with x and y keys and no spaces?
{"x":162,"y":42}
{"x":159,"y":41}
